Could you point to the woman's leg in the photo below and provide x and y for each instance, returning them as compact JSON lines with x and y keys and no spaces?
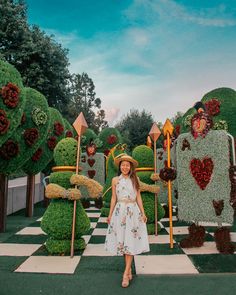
{"x":128,"y":263}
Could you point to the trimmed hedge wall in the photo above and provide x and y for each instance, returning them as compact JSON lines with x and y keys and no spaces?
{"x":194,"y":203}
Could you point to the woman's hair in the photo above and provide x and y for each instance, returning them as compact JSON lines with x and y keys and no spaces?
{"x":132,"y":175}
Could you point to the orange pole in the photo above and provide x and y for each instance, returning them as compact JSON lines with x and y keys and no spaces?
{"x":75,"y":203}
{"x":156,"y":196}
{"x":169,"y":192}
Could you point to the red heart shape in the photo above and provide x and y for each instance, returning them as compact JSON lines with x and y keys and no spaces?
{"x":91,"y":173}
{"x":202,"y":171}
{"x":91,"y":162}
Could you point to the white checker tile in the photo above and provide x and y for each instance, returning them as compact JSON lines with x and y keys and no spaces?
{"x":99,"y":232}
{"x":91,"y":209}
{"x":31,"y":231}
{"x":164,"y":264}
{"x":96,"y":250}
{"x":207,"y":248}
{"x":86,"y":238}
{"x":202,"y":223}
{"x":178,"y":230}
{"x":174,"y":218}
{"x":233,"y":237}
{"x":18,"y":249}
{"x":93,"y":224}
{"x":94,"y":214}
{"x":102,"y":219}
{"x":50,"y":264}
{"x":159,"y":239}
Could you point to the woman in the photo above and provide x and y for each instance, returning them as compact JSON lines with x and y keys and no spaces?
{"x":127,"y":231}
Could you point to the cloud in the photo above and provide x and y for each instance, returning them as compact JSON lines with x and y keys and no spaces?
{"x":170,"y":10}
{"x":112,"y":115}
{"x":161,"y":62}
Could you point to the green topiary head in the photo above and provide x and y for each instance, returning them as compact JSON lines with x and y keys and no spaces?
{"x":144,"y":155}
{"x":65,"y":152}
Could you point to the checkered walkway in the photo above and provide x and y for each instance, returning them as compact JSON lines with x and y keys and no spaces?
{"x":27,"y":246}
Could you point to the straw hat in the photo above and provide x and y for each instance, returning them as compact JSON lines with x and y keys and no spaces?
{"x":124,"y":157}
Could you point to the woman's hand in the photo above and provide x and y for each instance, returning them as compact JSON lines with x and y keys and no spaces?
{"x":109,"y":219}
{"x":144,"y":217}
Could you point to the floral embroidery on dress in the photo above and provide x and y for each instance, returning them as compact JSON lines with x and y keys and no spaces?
{"x":127,"y":233}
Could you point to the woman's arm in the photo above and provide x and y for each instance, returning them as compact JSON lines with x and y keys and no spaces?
{"x":113,"y":198}
{"x":140,"y":204}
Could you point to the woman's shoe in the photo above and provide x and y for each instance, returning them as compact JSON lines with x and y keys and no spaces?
{"x":130,"y":276}
{"x":125,"y":281}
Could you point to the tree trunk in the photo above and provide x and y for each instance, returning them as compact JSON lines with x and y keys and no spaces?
{"x":30,"y":196}
{"x":3,"y":201}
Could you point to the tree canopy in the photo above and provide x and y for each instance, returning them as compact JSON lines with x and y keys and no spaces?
{"x":134,"y":127}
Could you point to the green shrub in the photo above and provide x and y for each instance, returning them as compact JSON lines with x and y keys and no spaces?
{"x":110,"y":137}
{"x":8,"y":73}
{"x":35,"y":124}
{"x":144,"y":155}
{"x":61,"y":178}
{"x":34,"y":167}
{"x":227,"y":98}
{"x":64,"y":246}
{"x":65,"y":152}
{"x":57,"y":220}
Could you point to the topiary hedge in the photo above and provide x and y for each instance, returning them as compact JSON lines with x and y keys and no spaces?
{"x":227,"y":113}
{"x":34,"y":166}
{"x":12,"y":100}
{"x":110,"y":137}
{"x":29,"y":135}
{"x":60,"y":232}
{"x":203,"y":176}
{"x":144,"y":155}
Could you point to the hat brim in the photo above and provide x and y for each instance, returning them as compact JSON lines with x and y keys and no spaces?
{"x":118,"y":160}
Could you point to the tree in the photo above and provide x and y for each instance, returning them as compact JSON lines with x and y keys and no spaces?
{"x":42,"y":62}
{"x":135,"y":127}
{"x":83,"y":99}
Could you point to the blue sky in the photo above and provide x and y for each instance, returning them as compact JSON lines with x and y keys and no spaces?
{"x":157,"y":55}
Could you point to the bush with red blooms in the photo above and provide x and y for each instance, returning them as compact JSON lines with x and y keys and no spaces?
{"x":112,"y":139}
{"x":213,"y":107}
{"x":10,"y":95}
{"x":202,"y":171}
{"x":9,"y":149}
{"x":31,"y":135}
{"x":69,"y":133}
{"x":58,"y":128}
{"x":4,"y":122}
{"x":37,"y":155}
{"x":52,"y":141}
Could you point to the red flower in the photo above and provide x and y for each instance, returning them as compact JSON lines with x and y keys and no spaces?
{"x":4,"y":122}
{"x":213,"y":107}
{"x":69,"y":133}
{"x":37,"y":155}
{"x":58,"y":128}
{"x":177,"y":130}
{"x":112,"y":139}
{"x":9,"y":149}
{"x":52,"y":141}
{"x":31,"y":135}
{"x":10,"y":95}
{"x":106,"y":152}
{"x":202,"y":171}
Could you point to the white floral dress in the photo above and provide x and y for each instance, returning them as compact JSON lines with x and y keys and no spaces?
{"x":126,"y":233}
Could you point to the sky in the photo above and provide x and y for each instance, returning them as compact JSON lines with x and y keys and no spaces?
{"x":157,"y":55}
